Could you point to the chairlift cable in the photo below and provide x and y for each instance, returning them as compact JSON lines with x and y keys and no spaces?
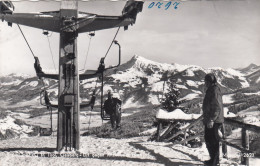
{"x":93,"y":105}
{"x":87,"y":52}
{"x":89,"y":119}
{"x":31,"y":51}
{"x":51,"y":53}
{"x":112,"y":42}
{"x":26,"y":40}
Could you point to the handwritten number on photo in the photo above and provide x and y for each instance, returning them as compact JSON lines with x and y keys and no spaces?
{"x":151,"y":5}
{"x":159,"y":4}
{"x":177,"y":3}
{"x":167,"y":6}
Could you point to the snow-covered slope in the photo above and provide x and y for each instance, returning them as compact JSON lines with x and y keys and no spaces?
{"x":10,"y":128}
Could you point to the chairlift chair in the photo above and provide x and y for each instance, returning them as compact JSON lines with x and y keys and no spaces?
{"x":104,"y":115}
{"x":46,"y":131}
{"x":101,"y":69}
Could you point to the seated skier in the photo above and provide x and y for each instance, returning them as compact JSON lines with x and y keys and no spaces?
{"x":112,"y":107}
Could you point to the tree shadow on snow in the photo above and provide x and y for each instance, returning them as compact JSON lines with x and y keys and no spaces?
{"x":187,"y":154}
{"x":166,"y":161}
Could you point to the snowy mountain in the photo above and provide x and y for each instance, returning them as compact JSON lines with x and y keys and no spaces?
{"x":250,"y":69}
{"x":145,"y":76}
{"x":137,"y":81}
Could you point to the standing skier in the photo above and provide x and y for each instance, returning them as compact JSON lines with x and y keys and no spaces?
{"x":213,"y":118}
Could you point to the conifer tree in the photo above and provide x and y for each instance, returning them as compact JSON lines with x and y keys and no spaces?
{"x":171,"y":98}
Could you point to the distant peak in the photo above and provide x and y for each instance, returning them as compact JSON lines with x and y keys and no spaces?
{"x":143,"y":60}
{"x":250,"y":68}
{"x":135,"y":56}
{"x":138,"y":58}
{"x":252,"y":65}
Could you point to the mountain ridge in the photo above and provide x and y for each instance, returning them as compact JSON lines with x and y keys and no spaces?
{"x":139,"y":79}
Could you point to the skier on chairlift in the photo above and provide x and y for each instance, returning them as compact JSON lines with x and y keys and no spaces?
{"x":112,"y":107}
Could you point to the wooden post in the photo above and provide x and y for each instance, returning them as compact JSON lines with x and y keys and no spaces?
{"x":190,"y":138}
{"x":159,"y":127}
{"x":68,"y":109}
{"x":169,"y":129}
{"x":245,"y":144}
{"x":186,"y":128}
{"x":224,"y":145}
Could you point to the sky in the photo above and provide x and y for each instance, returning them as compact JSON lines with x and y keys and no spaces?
{"x":205,"y":33}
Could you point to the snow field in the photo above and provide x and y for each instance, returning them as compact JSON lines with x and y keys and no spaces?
{"x":8,"y":124}
{"x":227,"y":99}
{"x":176,"y":114}
{"x":100,"y":151}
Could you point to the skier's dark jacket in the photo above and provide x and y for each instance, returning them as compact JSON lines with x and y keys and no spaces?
{"x":111,"y":105}
{"x":213,"y":105}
